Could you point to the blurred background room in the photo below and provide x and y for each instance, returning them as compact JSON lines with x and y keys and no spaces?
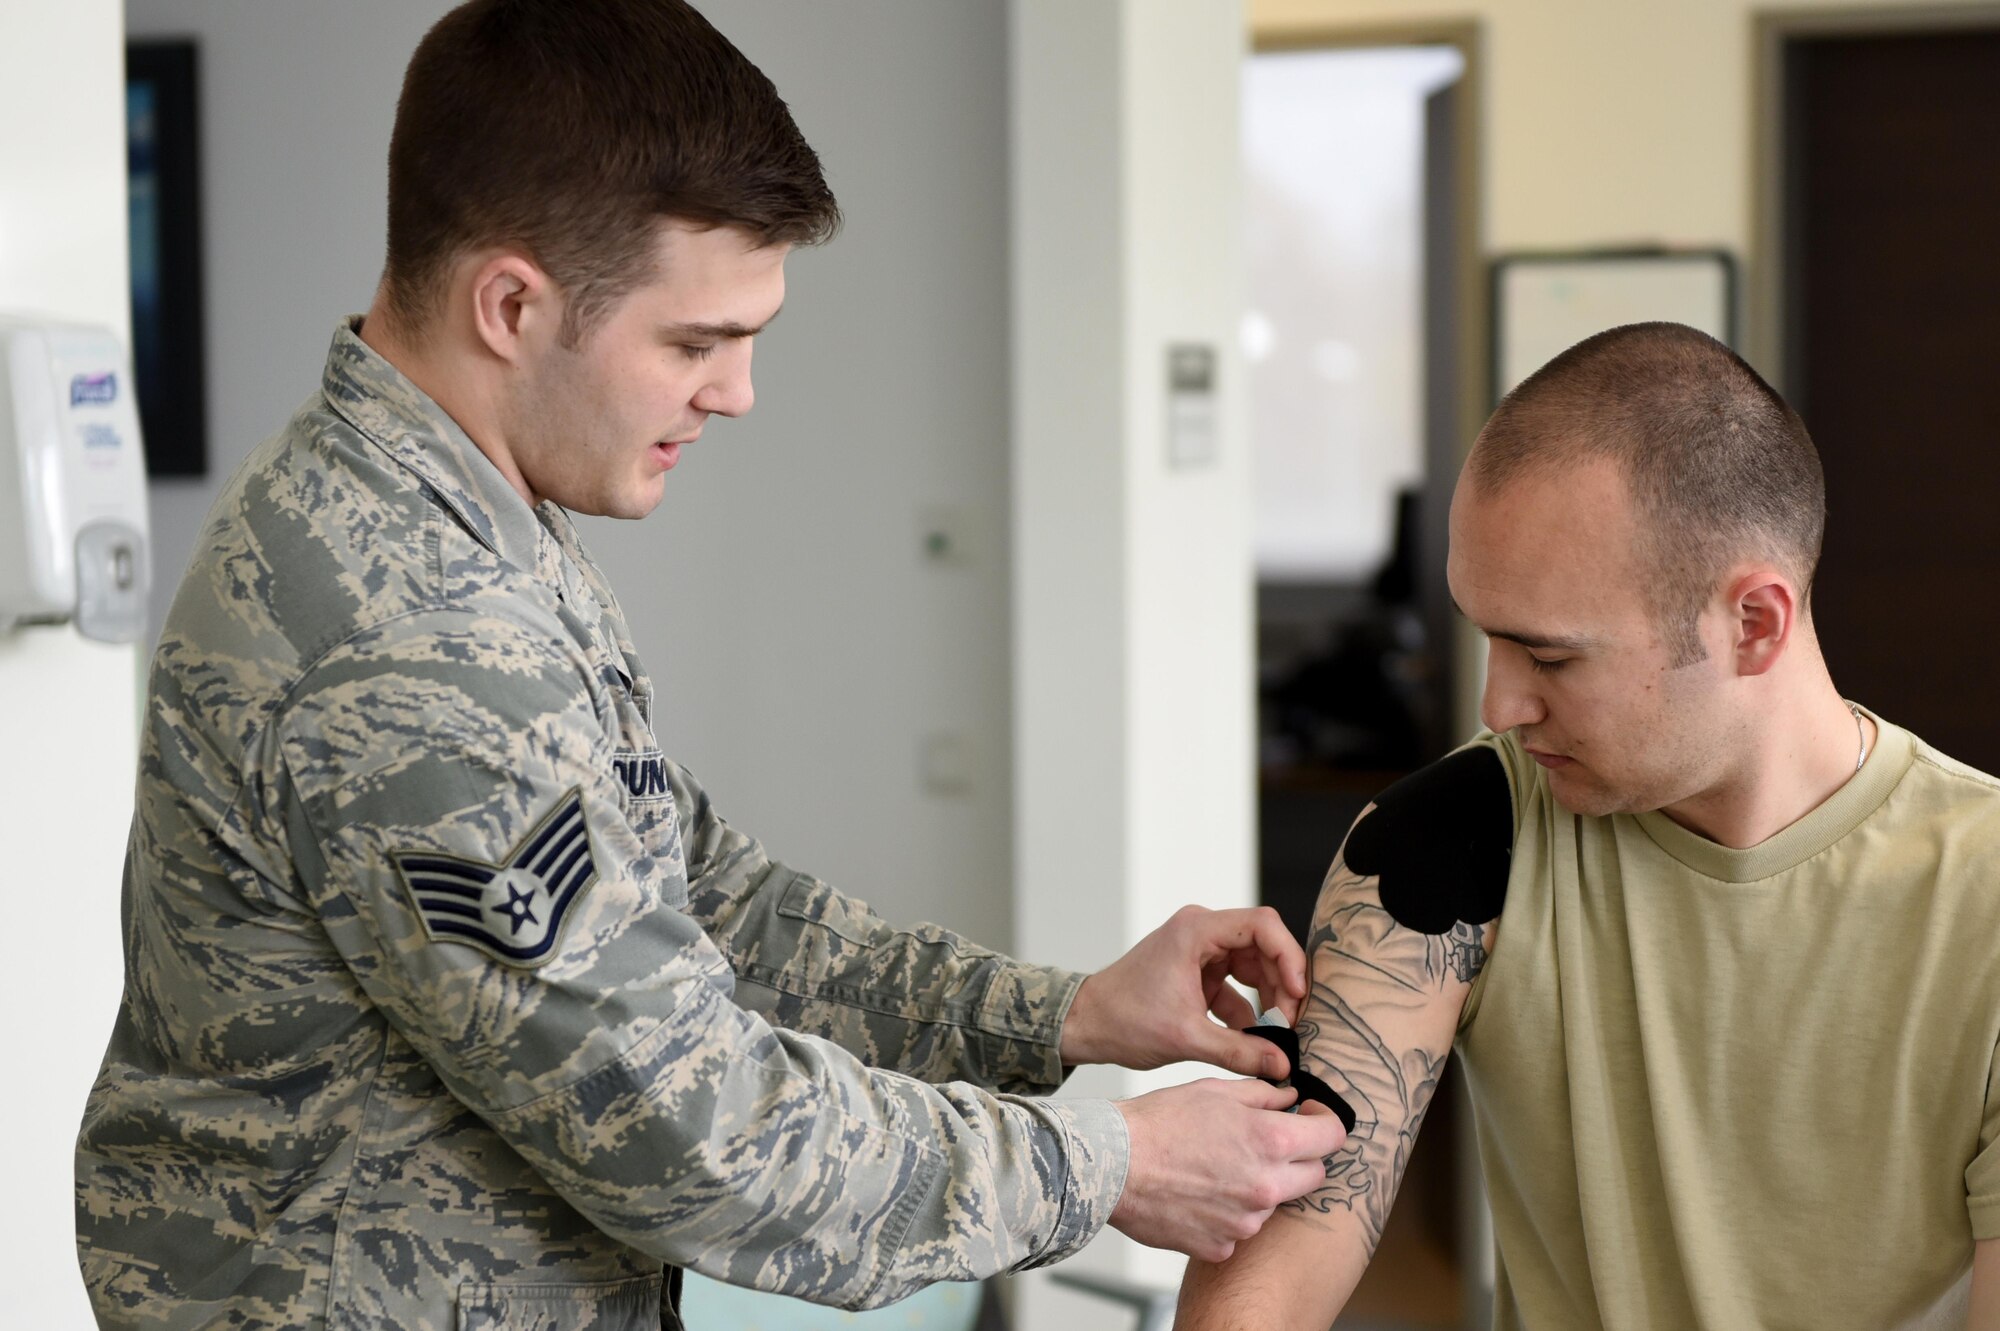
{"x":1083,"y":554}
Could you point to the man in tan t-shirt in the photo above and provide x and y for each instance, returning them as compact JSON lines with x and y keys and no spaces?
{"x":1720,"y":950}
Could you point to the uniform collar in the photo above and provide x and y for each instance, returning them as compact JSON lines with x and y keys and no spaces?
{"x":402,"y":420}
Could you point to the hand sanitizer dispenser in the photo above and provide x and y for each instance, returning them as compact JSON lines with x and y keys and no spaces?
{"x":72,"y":482}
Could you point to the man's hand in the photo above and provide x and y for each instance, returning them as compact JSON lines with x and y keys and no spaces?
{"x":1150,"y":1007}
{"x":1211,"y":1160}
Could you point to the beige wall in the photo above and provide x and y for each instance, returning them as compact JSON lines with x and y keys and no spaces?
{"x":1605,"y":120}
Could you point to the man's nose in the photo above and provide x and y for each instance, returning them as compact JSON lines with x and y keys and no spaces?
{"x":729,"y":393}
{"x":1511,"y":698}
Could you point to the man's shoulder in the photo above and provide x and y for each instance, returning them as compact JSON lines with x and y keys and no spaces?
{"x":1942,"y":822}
{"x":321,"y":536}
{"x":322,"y":531}
{"x":1950,"y":803}
{"x":1958,"y":781}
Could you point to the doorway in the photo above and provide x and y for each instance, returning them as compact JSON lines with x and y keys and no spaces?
{"x":1887,"y":132}
{"x":1362,"y":345}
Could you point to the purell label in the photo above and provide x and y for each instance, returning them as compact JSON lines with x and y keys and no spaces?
{"x":93,"y":390}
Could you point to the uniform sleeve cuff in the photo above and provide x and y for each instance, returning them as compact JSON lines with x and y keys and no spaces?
{"x":1026,"y":1006}
{"x":1098,"y":1151}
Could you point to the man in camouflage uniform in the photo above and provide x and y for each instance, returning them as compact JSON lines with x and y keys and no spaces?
{"x":450,"y":1000}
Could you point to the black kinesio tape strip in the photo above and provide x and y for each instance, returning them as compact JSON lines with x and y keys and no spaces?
{"x":1440,"y":843}
{"x":1308,"y":1086}
{"x":1312,"y":1088}
{"x":1284,"y":1037}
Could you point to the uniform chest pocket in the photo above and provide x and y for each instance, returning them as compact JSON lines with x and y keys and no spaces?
{"x":648,"y":800}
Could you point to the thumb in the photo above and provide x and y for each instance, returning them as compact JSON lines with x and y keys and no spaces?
{"x":1245,"y":1055}
{"x":1260,"y":1095}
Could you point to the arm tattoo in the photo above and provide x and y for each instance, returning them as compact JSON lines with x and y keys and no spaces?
{"x":1378,"y":1061}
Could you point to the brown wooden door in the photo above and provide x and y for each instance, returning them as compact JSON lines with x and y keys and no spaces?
{"x":1893,"y":357}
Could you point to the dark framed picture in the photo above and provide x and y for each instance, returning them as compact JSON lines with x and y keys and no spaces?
{"x":167,"y":335}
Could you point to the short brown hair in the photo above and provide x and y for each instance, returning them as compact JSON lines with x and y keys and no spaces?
{"x":572,"y":128}
{"x":1718,"y":466}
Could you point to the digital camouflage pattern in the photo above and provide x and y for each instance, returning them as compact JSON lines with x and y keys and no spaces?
{"x":383,"y":677}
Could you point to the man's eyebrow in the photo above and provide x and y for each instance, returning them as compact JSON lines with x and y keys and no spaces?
{"x":1541,"y":642}
{"x":721,"y":331}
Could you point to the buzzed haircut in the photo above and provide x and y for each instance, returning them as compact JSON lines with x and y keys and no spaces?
{"x":1718,"y":466}
{"x":573,"y":128}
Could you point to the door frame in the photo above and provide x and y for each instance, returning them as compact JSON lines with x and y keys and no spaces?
{"x":1473,"y":402}
{"x":1770,"y":334}
{"x":1470,"y":295}
{"x":1468,"y":37}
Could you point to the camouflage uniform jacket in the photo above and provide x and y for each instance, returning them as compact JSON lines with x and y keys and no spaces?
{"x":450,"y":1001}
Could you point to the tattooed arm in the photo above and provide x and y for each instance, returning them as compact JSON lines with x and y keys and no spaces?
{"x":1984,"y":1312}
{"x":1377,"y":1027}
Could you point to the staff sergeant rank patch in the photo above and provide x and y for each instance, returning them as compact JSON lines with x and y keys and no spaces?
{"x":514,"y":910}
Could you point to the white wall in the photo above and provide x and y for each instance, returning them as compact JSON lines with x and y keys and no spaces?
{"x":1133,"y":594}
{"x":295,"y":103}
{"x":68,"y":726}
{"x":803,"y":648}
{"x":781,"y":592}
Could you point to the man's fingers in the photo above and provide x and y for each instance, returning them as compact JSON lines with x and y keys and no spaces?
{"x":1275,"y":941}
{"x":1245,"y":1055}
{"x":1259,"y":1095}
{"x":1259,"y":927}
{"x":1303,"y":1178}
{"x":1315,"y":1133}
{"x":1230,"y":1008}
{"x":1248,"y":966}
{"x":1285,"y":959}
{"x":1289,"y":1006}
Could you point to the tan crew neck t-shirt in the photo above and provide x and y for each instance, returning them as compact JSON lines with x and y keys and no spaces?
{"x":1744,"y":1088}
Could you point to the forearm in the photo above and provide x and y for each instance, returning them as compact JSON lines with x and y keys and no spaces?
{"x":921,"y":1001}
{"x":1983,"y":1314}
{"x":771,"y":1160}
{"x":1261,"y":1286}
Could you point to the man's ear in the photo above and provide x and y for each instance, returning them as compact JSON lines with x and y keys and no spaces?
{"x":1763,"y":609}
{"x":516,"y":307}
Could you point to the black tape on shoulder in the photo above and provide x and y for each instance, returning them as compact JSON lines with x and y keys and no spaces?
{"x":1308,"y":1086}
{"x":1440,"y":842}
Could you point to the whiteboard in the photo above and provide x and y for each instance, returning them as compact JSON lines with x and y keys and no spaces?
{"x":1543,"y":304}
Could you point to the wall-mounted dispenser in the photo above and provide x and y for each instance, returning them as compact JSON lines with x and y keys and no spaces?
{"x":73,"y":539}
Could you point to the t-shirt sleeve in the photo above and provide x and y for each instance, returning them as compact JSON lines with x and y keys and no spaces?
{"x":454,"y":814}
{"x":1519,"y":769}
{"x":1982,"y":1176}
